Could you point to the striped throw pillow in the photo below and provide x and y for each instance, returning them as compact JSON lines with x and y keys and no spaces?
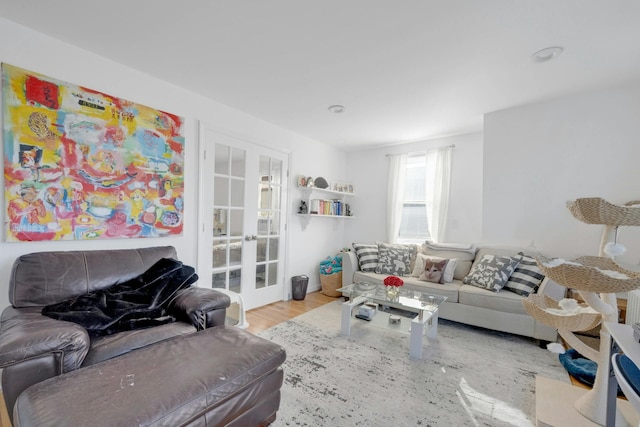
{"x":527,"y":277}
{"x":367,"y":256}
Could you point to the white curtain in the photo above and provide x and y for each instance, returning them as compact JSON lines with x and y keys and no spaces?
{"x":438,"y":179}
{"x":395,"y":195}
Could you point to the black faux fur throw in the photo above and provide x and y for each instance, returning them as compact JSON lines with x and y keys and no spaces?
{"x":136,"y":303}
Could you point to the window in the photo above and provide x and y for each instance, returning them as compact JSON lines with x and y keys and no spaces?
{"x":414,"y":226}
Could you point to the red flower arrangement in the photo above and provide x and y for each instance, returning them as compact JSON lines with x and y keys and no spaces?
{"x":393,"y":281}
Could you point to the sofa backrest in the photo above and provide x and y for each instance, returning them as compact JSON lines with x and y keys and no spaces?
{"x":44,"y":278}
{"x":501,"y":251}
{"x":463,"y":265}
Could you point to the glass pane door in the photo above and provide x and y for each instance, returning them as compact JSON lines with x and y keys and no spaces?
{"x":269,"y":210}
{"x":228,"y":217}
{"x":243,"y":189}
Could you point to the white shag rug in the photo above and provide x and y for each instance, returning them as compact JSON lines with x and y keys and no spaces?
{"x":468,"y":376}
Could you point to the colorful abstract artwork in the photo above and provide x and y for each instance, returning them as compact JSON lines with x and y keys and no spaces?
{"x":83,"y":165}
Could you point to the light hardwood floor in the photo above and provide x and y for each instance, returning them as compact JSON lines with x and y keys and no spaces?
{"x":270,"y":315}
{"x":259,"y":319}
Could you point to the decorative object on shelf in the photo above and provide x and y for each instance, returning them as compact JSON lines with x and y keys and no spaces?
{"x":596,"y":279}
{"x":392,"y":284}
{"x":302,"y":181}
{"x":342,"y":187}
{"x":310,"y":182}
{"x":303,"y":207}
{"x":320,"y":182}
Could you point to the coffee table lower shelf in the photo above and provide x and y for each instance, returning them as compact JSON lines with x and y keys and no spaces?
{"x":418,"y":327}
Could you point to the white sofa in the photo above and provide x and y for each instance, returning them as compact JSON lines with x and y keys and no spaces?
{"x":500,"y":311}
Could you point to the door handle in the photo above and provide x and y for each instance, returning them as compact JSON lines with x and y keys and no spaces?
{"x":250,"y":238}
{"x":254,"y":237}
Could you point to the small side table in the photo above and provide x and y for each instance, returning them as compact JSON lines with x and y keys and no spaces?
{"x":621,"y":337}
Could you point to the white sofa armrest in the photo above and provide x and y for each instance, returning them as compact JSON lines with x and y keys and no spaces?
{"x":349,"y":266}
{"x":552,"y":289}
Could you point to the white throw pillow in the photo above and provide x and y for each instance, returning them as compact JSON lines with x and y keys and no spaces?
{"x":448,"y":271}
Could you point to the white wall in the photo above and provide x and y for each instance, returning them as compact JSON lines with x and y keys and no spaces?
{"x":33,"y":51}
{"x":537,"y":157}
{"x":313,"y":239}
{"x":368,"y":171}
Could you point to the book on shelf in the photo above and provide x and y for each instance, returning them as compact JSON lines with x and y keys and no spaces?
{"x":328,"y":207}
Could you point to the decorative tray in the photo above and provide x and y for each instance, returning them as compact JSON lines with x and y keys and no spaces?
{"x":363,"y":287}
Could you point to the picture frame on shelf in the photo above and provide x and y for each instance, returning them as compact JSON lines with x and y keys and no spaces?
{"x":342,"y":187}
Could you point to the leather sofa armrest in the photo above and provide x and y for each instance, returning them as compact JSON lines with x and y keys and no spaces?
{"x":349,"y":266}
{"x":34,"y":348}
{"x":26,"y":334}
{"x":202,"y":307}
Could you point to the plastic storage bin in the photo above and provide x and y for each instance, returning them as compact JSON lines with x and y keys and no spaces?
{"x":299,"y":287}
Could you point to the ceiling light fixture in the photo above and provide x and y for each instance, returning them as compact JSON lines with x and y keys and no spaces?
{"x":547,"y":54}
{"x":337,"y":109}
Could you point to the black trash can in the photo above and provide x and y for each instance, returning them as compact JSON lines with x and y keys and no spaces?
{"x":299,"y":287}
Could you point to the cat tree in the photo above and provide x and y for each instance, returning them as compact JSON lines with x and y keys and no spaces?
{"x":597,"y":279}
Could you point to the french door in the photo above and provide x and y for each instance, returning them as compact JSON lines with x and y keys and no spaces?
{"x":242,"y":244}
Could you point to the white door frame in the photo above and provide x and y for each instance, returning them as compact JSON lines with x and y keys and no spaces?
{"x":205,"y":212}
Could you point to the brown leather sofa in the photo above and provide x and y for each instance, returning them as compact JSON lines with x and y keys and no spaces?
{"x":39,"y":353}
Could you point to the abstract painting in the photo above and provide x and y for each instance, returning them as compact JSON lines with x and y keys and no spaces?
{"x":82,"y":165}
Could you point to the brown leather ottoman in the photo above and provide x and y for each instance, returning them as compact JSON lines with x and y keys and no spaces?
{"x":222,"y":376}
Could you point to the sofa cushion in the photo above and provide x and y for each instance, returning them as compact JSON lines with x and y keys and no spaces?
{"x":434,"y":270}
{"x":367,"y":256}
{"x":395,"y":259}
{"x":492,"y":272}
{"x":527,"y":277}
{"x":180,"y":381}
{"x":449,"y":290}
{"x":464,"y":258}
{"x":110,"y":346}
{"x":503,"y":301}
{"x":448,"y":271}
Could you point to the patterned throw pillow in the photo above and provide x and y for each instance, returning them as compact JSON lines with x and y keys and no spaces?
{"x":448,"y":271}
{"x":492,"y":272}
{"x":367,"y":256}
{"x":527,"y":277}
{"x":434,"y":270}
{"x":395,"y":259}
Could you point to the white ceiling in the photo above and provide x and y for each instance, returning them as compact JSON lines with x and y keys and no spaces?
{"x":405,"y":70}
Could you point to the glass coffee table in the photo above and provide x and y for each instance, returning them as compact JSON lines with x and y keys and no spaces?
{"x":423,"y":303}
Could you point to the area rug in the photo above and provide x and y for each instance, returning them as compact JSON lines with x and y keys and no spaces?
{"x":468,"y":376}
